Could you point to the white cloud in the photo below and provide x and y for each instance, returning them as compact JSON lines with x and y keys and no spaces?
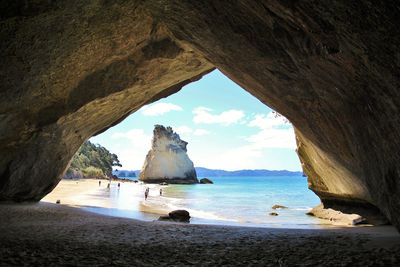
{"x":245,"y":157}
{"x":131,"y":158}
{"x":201,"y":132}
{"x":250,"y":155}
{"x":203,"y":115}
{"x":131,"y":147}
{"x":183,"y":130}
{"x":159,"y":109}
{"x":186,"y":132}
{"x":242,"y":157}
{"x":132,"y":153}
{"x":273,"y":138}
{"x":270,"y":121}
{"x":137,"y":137}
{"x":276,"y":132}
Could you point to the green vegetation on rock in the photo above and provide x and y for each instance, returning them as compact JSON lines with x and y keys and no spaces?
{"x":92,"y":161}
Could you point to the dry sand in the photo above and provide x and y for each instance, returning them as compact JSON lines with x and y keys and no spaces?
{"x":76,"y":192}
{"x":46,"y":234}
{"x":88,"y":193}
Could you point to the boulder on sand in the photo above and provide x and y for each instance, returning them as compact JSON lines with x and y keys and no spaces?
{"x":176,"y":216}
{"x":336,"y":217}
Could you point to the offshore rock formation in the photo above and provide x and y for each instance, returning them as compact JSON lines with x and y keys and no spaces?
{"x":167,"y":161}
{"x":206,"y":181}
{"x":71,"y":69}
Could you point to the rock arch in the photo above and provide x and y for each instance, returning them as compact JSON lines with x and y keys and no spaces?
{"x":71,"y":69}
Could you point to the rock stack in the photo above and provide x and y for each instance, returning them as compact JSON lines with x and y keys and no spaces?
{"x":167,"y":161}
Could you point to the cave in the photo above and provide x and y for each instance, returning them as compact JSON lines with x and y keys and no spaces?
{"x":241,"y":137}
{"x":72,"y":69}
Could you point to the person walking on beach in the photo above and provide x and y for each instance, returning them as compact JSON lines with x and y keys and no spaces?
{"x":99,"y":183}
{"x":119,"y":185}
{"x":146,"y":193}
{"x":160,"y":191}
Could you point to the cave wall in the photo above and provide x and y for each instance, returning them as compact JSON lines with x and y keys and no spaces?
{"x":73,"y":69}
{"x":331,"y":67}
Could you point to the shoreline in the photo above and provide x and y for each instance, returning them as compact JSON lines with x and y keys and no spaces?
{"x":88,"y":195}
{"x":51,"y":234}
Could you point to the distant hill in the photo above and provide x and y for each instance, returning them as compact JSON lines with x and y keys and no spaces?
{"x":125,"y":173}
{"x":204,"y":172}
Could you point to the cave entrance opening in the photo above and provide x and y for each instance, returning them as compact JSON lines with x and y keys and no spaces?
{"x":244,"y":146}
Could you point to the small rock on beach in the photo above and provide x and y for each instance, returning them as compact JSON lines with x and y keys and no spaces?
{"x":336,"y":217}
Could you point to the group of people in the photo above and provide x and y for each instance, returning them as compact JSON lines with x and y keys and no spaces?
{"x":146,"y":192}
{"x":108,"y":185}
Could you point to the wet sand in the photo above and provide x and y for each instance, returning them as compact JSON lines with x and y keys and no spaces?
{"x":56,"y":235}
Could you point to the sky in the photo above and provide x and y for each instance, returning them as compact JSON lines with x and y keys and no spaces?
{"x":226,"y":128}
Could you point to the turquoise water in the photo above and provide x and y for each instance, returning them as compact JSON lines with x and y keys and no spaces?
{"x":247,"y":200}
{"x":230,"y":201}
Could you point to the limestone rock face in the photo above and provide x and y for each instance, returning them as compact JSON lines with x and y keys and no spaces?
{"x":167,"y":161}
{"x":71,"y":69}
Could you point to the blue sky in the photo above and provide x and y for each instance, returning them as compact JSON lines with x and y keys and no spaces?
{"x":226,"y":128}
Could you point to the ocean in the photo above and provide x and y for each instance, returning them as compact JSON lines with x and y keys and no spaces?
{"x":241,"y":201}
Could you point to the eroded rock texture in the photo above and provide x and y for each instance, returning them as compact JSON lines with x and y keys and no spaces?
{"x":167,"y":160}
{"x":71,"y":69}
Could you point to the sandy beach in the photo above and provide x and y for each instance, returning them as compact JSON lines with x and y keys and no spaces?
{"x":128,"y":201}
{"x":88,"y":194}
{"x":56,"y":235}
{"x":65,"y":235}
